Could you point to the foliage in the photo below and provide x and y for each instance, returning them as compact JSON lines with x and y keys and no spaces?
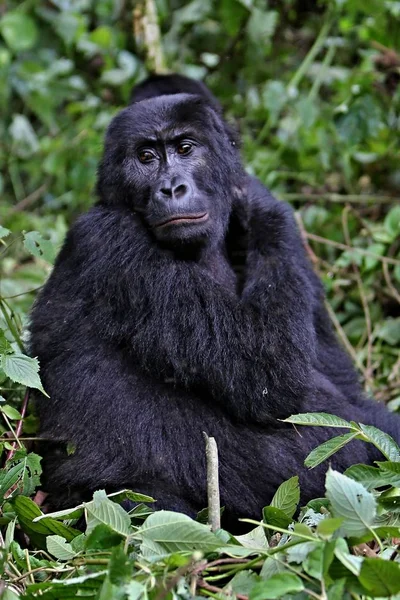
{"x":313,"y":88}
{"x":340,"y":546}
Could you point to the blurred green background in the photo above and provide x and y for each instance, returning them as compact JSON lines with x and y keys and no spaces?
{"x":313,"y":88}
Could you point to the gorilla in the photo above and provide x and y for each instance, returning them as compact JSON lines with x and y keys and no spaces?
{"x":183,"y":302}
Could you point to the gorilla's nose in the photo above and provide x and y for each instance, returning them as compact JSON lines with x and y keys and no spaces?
{"x":174,"y":188}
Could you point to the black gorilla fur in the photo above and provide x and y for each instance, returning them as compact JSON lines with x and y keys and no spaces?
{"x":147,"y":337}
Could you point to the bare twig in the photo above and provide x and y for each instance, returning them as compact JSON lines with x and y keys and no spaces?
{"x":19,"y":425}
{"x":322,"y":240}
{"x":213,"y":588}
{"x":363,"y":298}
{"x":340,"y":198}
{"x":393,"y":292}
{"x":214,"y":509}
{"x":30,"y":199}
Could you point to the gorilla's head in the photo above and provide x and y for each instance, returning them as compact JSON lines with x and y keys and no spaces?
{"x":170,"y":158}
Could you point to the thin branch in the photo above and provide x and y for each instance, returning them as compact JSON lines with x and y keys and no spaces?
{"x":393,"y":292}
{"x":30,"y":199}
{"x":19,"y":425}
{"x":363,"y":298}
{"x":339,"y":198}
{"x":340,"y":246}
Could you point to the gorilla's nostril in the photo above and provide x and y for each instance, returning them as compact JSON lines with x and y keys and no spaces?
{"x":166,"y":191}
{"x":180,"y":190}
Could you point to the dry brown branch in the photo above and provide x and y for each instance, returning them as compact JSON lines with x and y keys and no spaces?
{"x":339,"y":198}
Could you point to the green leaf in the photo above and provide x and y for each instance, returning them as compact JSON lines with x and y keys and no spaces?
{"x":392,"y":222}
{"x":59,"y":547}
{"x":135,"y":591}
{"x":38,"y":246}
{"x":102,"y":510}
{"x":243,"y":582}
{"x":370,"y":477}
{"x":19,"y":30}
{"x":319,"y":419}
{"x":4,"y":232}
{"x":313,"y":564}
{"x":255,"y":538}
{"x":276,"y":516}
{"x":287,"y":496}
{"x":27,"y":471}
{"x":336,"y":591}
{"x":10,"y":412}
{"x":327,"y":527}
{"x":325,"y":450}
{"x":166,"y":532}
{"x":351,"y":562}
{"x":261,"y":27}
{"x":383,"y":441}
{"x":276,"y":586}
{"x":22,"y":369}
{"x":27,"y":510}
{"x":351,"y":501}
{"x":8,"y":478}
{"x":380,"y":577}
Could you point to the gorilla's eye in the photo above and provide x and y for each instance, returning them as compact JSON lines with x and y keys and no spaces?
{"x":184,"y":148}
{"x":146,"y":156}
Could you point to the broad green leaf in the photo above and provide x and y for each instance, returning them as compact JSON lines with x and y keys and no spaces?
{"x":336,"y":591}
{"x":287,"y":496}
{"x":19,"y":30}
{"x":102,"y":510}
{"x":313,"y":564}
{"x":319,"y":419}
{"x":22,"y":369}
{"x":38,"y":246}
{"x":25,"y":140}
{"x":4,"y":232}
{"x":166,"y":532}
{"x":9,"y":477}
{"x":77,"y":511}
{"x":254,"y":539}
{"x":370,"y":477}
{"x":26,"y":471}
{"x":135,"y":591}
{"x":380,"y":577}
{"x":351,"y":501}
{"x":27,"y":510}
{"x":392,"y":222}
{"x":383,"y":441}
{"x":10,"y":412}
{"x":59,"y":547}
{"x":325,"y":450}
{"x":351,"y":562}
{"x":327,"y":527}
{"x":276,"y":586}
{"x":243,"y":582}
{"x":276,"y":516}
{"x":129,"y":495}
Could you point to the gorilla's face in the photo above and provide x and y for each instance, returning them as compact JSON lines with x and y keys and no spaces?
{"x":170,"y":159}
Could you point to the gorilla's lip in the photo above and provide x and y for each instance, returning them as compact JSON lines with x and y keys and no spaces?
{"x":177,"y":219}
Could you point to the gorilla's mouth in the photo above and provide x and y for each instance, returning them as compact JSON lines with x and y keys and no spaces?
{"x":180,"y":219}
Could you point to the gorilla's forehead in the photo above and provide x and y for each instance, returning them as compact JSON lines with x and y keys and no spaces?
{"x":165,"y":115}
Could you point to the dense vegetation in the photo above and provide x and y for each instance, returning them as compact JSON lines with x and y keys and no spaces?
{"x":314,"y":89}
